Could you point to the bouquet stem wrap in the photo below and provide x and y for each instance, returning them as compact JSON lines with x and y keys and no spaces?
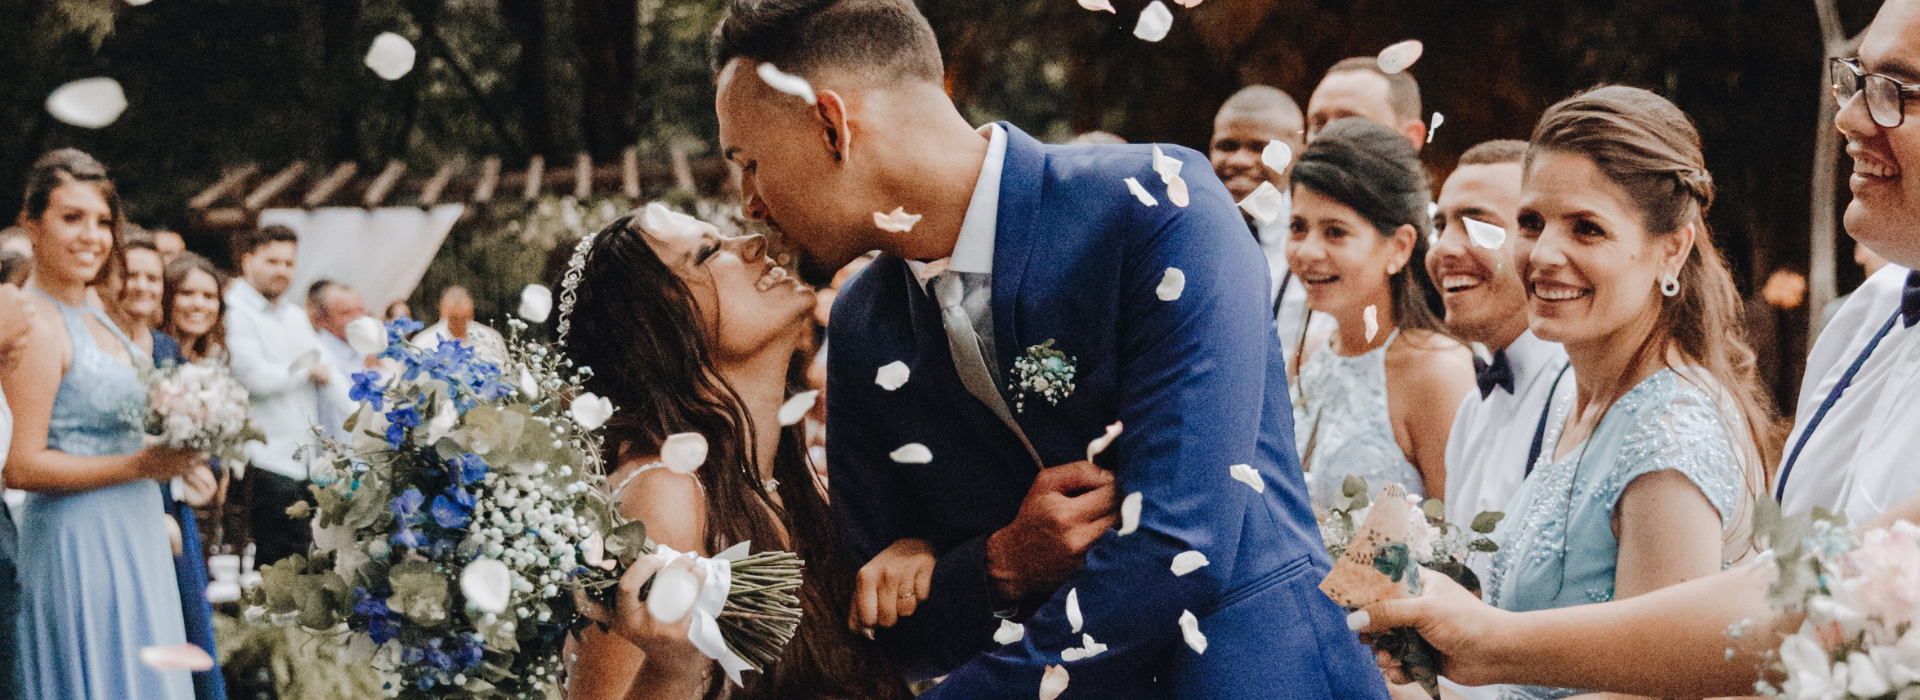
{"x":708,"y":606}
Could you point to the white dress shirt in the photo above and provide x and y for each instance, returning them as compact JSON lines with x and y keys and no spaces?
{"x":973,"y":249}
{"x":1491,"y":437}
{"x":348,"y":362}
{"x":267,"y":342}
{"x":486,"y":342}
{"x":1860,"y":460}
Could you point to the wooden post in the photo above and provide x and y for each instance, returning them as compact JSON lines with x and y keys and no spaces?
{"x":582,"y":177}
{"x":630,"y":173}
{"x":430,"y":192}
{"x":330,"y":184}
{"x":536,"y":169}
{"x":489,"y":179}
{"x":384,"y":182}
{"x":1822,"y":286}
{"x":682,"y":170}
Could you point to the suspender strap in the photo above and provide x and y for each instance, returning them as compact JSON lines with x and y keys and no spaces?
{"x":1540,"y":431}
{"x":1846,"y":380}
{"x":1281,"y":294}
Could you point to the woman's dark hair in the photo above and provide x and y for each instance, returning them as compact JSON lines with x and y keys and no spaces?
{"x":59,"y":167}
{"x":636,"y":324}
{"x":1375,"y":171}
{"x":184,"y":265}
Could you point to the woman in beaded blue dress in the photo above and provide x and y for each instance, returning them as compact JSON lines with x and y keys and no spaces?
{"x":96,"y":572}
{"x":1648,"y":472}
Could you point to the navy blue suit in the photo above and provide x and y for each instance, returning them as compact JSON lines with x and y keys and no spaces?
{"x":1198,"y":381}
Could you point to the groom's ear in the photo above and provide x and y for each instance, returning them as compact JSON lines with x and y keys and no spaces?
{"x":831,"y":110}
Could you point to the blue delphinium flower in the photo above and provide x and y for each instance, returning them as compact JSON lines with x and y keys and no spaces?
{"x":468,"y":468}
{"x":406,"y":508}
{"x":454,"y":511}
{"x":366,"y":387}
{"x":382,"y":623}
{"x":398,"y":420}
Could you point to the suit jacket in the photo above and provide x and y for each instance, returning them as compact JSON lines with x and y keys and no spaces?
{"x":1200,"y":384}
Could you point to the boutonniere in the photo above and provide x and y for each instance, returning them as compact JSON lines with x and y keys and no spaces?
{"x":1043,"y":372}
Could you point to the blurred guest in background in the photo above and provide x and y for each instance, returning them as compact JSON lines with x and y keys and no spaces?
{"x":1096,"y":138}
{"x":16,"y":323}
{"x":169,"y":243}
{"x":16,"y":256}
{"x":397,"y":309}
{"x":193,"y":310}
{"x":1251,"y":119}
{"x":456,"y":323}
{"x":1869,"y":262}
{"x":1356,"y":87}
{"x":132,"y":297}
{"x":332,"y":306}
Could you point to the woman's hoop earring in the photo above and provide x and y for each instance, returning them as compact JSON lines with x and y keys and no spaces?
{"x":1669,"y":285}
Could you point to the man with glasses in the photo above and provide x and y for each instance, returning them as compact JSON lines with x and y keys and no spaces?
{"x":1852,"y":448}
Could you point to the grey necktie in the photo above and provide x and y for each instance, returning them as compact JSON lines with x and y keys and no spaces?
{"x":958,"y":293}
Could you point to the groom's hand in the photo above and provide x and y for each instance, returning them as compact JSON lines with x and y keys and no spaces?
{"x":1067,"y":508}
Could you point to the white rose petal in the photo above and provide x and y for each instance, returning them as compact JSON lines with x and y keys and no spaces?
{"x":1154,"y":22}
{"x":912,"y":453}
{"x":785,"y":82}
{"x":738,"y":551}
{"x":366,"y":335}
{"x":536,"y":302}
{"x":177,"y":657}
{"x":1265,"y":203}
{"x":1073,"y":609}
{"x":1277,"y":156}
{"x":529,"y":387}
{"x":137,"y":3}
{"x":487,"y":585}
{"x":1806,"y":663}
{"x":1484,"y":234}
{"x":672,"y":595}
{"x":796,"y":408}
{"x":1401,"y":56}
{"x":684,"y":452}
{"x":1434,"y":126}
{"x":657,"y":218}
{"x":1177,"y":192}
{"x":1172,"y":283}
{"x":1140,"y":193}
{"x":1358,"y":620}
{"x":1864,"y":679}
{"x":1053,"y":682}
{"x":1185,"y":562}
{"x":1009,"y":632}
{"x":1188,"y":3}
{"x":391,"y":56}
{"x":1130,"y":513}
{"x":90,"y":103}
{"x":892,"y":375}
{"x":1099,"y":444}
{"x":1246,"y":474}
{"x":1087,"y":650}
{"x":1168,"y":166}
{"x":593,"y":552}
{"x":1371,"y":316}
{"x":1190,"y":629}
{"x":898,"y":221}
{"x":1098,"y":5}
{"x":591,"y":411}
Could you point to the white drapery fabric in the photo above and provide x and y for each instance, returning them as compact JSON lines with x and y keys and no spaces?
{"x":381,"y":252}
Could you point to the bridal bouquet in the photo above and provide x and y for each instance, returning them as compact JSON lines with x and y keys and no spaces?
{"x":200,"y":406}
{"x":1858,"y":593}
{"x":1433,"y":541}
{"x":455,"y":526}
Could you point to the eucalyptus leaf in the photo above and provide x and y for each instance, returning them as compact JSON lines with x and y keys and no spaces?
{"x":1353,"y":486}
{"x":1433,"y":508}
{"x":1487,"y":521}
{"x":1483,"y":545}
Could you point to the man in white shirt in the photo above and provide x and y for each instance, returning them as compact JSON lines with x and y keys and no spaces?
{"x":332,"y":306}
{"x":456,"y":323}
{"x":1246,"y":124}
{"x":1497,"y":430}
{"x":277,"y":358}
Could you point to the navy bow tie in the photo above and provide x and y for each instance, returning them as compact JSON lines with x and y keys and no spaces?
{"x":1910,"y":301}
{"x":1499,"y":374}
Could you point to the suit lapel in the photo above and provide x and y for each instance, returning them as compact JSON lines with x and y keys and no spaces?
{"x":930,"y":334}
{"x":1020,"y":180}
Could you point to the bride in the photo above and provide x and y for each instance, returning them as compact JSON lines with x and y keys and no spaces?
{"x":690,"y":331}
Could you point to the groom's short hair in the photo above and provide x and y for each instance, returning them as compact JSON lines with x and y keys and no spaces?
{"x":883,"y":40}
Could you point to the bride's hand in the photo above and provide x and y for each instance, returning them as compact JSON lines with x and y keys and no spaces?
{"x":203,"y":488}
{"x":892,"y":585}
{"x":1461,"y":627}
{"x":670,"y":656}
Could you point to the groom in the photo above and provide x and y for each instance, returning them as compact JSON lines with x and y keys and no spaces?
{"x":1037,"y":299}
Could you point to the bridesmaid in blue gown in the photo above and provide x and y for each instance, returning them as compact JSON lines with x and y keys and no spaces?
{"x":96,"y":576}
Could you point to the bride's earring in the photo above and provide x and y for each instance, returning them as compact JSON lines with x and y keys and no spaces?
{"x":1669,"y":285}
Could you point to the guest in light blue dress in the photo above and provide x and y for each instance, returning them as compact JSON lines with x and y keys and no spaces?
{"x":1345,"y":420}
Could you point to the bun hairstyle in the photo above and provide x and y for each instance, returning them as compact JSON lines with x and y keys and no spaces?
{"x":1649,"y":148}
{"x":59,"y":167}
{"x":1376,"y":172}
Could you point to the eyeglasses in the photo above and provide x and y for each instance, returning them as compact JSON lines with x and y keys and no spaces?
{"x":1886,"y":96}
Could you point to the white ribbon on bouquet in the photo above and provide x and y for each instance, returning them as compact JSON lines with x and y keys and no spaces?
{"x":704,"y":629}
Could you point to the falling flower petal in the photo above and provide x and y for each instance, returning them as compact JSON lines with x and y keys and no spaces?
{"x":672,"y":595}
{"x":1073,"y":609}
{"x":1359,"y":620}
{"x":1130,"y":513}
{"x":1172,"y":283}
{"x":1245,"y":474}
{"x":1098,"y":5}
{"x":1277,"y":156}
{"x":487,"y":585}
{"x":684,"y":452}
{"x":177,"y":657}
{"x":1185,"y":562}
{"x":1438,"y":119}
{"x":796,"y":408}
{"x":1401,"y":56}
{"x":91,"y":103}
{"x":892,"y":375}
{"x":1099,"y":444}
{"x":1371,"y":317}
{"x":1265,"y":203}
{"x":1188,"y":3}
{"x":791,"y":84}
{"x":738,"y":551}
{"x":1009,"y":632}
{"x":658,"y":218}
{"x":1168,"y":166}
{"x":912,"y":453}
{"x":1485,"y":235}
{"x":366,"y":335}
{"x":1190,"y":629}
{"x":529,"y":387}
{"x":391,"y":56}
{"x":591,"y":411}
{"x":1177,"y":192}
{"x":1141,"y":193}
{"x":536,"y":301}
{"x":593,"y":552}
{"x":137,"y":3}
{"x":1053,"y":682}
{"x":897,"y":221}
{"x":1154,"y":22}
{"x":1087,"y":650}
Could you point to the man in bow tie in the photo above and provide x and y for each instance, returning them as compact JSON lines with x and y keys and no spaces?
{"x":1497,"y":432}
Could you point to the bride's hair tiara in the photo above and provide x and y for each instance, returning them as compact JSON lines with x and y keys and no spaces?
{"x":570,"y":284}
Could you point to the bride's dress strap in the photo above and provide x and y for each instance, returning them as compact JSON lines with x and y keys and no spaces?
{"x":622,"y":488}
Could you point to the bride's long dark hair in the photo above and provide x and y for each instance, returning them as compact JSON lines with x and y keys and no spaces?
{"x":636,"y":324}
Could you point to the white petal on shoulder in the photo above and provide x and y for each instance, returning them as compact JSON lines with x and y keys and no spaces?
{"x":1186,"y":562}
{"x":1141,"y":193}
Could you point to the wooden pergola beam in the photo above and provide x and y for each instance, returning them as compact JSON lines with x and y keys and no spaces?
{"x":489,"y":179}
{"x":383,"y":183}
{"x":264,"y":194}
{"x":536,"y":169}
{"x":630,"y":173}
{"x":582,"y":177}
{"x":430,"y":192}
{"x":682,"y":169}
{"x":227,"y":183}
{"x":324,"y":189}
